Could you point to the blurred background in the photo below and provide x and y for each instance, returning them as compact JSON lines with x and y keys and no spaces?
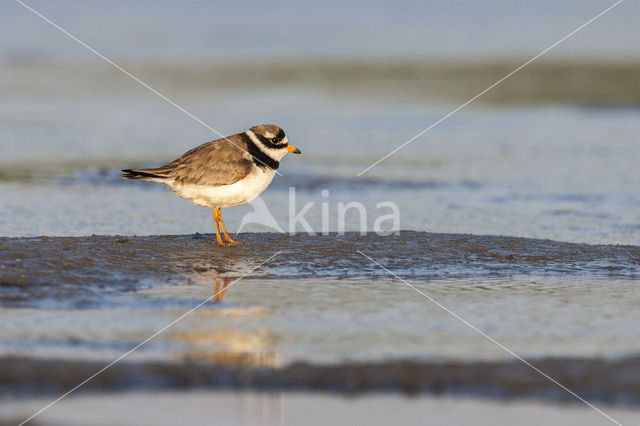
{"x":552,"y":152}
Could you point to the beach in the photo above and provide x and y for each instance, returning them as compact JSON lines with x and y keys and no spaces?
{"x":459,"y":241}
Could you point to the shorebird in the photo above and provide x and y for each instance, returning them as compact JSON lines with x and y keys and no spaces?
{"x":226,"y":172}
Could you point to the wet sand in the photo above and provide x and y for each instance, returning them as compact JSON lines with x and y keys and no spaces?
{"x":320,"y":316}
{"x":581,"y":82}
{"x":607,"y":381}
{"x":42,"y":266}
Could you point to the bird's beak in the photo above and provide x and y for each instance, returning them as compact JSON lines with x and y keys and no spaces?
{"x":293,"y":149}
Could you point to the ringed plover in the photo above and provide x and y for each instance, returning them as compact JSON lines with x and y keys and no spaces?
{"x":226,"y":172}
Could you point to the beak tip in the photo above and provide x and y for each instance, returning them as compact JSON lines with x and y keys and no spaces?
{"x":292,"y":149}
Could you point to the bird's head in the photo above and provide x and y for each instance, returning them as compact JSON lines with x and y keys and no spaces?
{"x":273,"y":138}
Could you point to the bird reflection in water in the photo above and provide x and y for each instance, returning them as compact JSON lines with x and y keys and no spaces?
{"x":218,"y":293}
{"x":229,"y":335}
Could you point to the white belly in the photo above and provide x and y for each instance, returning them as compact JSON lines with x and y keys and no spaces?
{"x":236,"y":194}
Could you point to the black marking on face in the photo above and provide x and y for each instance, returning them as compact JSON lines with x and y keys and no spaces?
{"x":258,"y":157}
{"x":274,"y":143}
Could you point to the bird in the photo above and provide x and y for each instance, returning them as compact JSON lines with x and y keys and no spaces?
{"x":225,"y":172}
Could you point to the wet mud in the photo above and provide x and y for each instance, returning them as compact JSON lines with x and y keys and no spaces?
{"x":609,"y":381}
{"x":78,"y":270}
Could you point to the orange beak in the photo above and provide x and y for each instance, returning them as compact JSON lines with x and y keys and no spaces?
{"x":293,"y":149}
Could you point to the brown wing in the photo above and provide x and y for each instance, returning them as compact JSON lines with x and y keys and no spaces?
{"x":215,"y":163}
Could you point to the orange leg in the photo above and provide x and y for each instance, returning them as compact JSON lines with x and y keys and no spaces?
{"x":224,"y":289}
{"x":216,"y":217}
{"x":218,"y":294}
{"x":218,"y":213}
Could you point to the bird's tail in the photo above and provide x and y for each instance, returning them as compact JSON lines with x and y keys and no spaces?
{"x":144,"y":174}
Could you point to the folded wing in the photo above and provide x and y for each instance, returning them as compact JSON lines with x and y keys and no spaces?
{"x":216,"y":163}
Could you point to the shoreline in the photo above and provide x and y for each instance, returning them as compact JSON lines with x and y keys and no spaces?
{"x":610,"y":381}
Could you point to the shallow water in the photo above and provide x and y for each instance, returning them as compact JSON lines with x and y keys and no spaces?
{"x":550,"y":153}
{"x":267,"y":408}
{"x":318,"y":299}
{"x":277,"y":322}
{"x":574,"y":180}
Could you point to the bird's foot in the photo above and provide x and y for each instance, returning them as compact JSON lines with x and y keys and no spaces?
{"x":234,"y":242}
{"x":230,"y":240}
